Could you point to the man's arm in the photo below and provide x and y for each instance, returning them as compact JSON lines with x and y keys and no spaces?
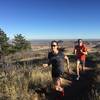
{"x":75,"y":50}
{"x":84,"y":51}
{"x":67,"y":61}
{"x":49,"y":62}
{"x":45,"y":65}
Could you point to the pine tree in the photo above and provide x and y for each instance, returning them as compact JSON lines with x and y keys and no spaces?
{"x":3,"y":42}
{"x":20,"y":43}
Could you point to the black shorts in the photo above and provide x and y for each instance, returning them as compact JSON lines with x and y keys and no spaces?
{"x":57,"y":74}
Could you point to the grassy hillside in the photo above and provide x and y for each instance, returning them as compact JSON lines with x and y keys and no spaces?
{"x":22,"y":76}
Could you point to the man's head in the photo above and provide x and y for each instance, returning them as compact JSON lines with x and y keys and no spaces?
{"x":54,"y":45}
{"x":80,"y":42}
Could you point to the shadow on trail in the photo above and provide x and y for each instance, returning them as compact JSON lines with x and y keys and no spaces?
{"x":83,"y":89}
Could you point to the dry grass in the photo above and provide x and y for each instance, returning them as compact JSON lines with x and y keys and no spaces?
{"x":21,"y":83}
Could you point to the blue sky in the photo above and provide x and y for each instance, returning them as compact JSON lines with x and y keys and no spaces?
{"x":51,"y":19}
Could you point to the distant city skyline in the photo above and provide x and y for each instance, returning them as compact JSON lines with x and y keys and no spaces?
{"x":51,"y":19}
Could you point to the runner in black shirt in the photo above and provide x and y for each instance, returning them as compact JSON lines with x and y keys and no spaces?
{"x":57,"y":61}
{"x":56,"y":58}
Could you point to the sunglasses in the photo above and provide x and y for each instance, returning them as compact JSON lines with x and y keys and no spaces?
{"x":53,"y":45}
{"x":79,"y":41}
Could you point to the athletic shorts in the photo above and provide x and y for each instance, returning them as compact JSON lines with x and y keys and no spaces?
{"x":82,"y":62}
{"x":57,"y":74}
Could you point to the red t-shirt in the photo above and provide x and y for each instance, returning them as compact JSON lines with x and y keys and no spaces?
{"x":79,"y":54}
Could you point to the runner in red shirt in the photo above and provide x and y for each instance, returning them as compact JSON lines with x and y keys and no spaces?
{"x":80,"y":51}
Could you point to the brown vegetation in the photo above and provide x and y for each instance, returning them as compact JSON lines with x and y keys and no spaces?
{"x":26,"y":79}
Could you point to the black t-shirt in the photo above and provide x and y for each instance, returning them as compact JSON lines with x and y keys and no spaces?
{"x":57,"y":62}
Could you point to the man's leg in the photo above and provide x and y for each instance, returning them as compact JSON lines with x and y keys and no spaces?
{"x":78,"y":71}
{"x":83,"y":65}
{"x":57,"y":83}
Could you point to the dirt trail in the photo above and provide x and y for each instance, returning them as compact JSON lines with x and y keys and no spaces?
{"x":83,"y":89}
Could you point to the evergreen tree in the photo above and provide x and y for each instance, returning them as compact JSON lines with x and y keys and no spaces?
{"x":4,"y":46}
{"x":20,"y":43}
